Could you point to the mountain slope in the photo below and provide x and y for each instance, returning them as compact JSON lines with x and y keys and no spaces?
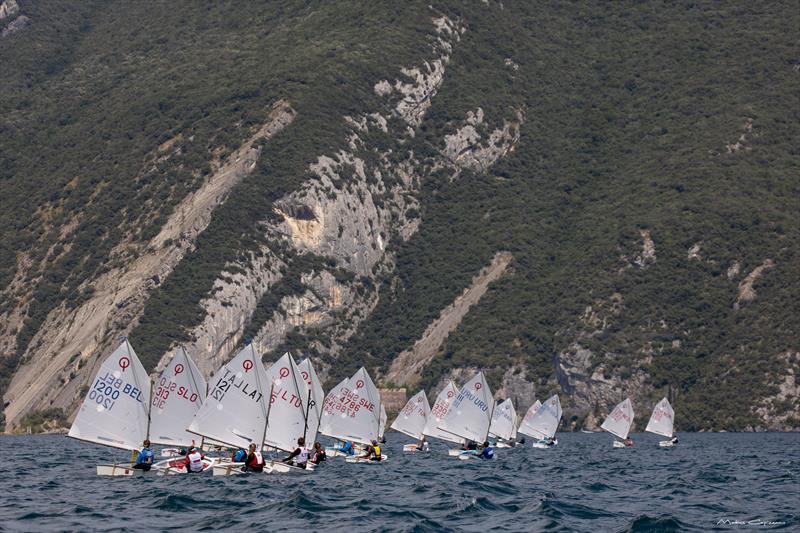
{"x":636,"y":163}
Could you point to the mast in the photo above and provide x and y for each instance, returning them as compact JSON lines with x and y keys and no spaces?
{"x":308,"y":407}
{"x":266,"y":422}
{"x":486,"y":439}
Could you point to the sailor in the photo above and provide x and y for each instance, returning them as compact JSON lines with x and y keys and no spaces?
{"x":521,"y":441}
{"x":346,"y":448}
{"x":423,"y":444}
{"x":373,"y":452}
{"x":254,"y":462}
{"x":239,"y":455}
{"x":487,"y":452}
{"x":470,"y":445}
{"x":194,"y":460}
{"x":628,"y":441}
{"x":674,"y":439}
{"x":300,"y":452}
{"x":144,"y":460}
{"x":319,"y":454}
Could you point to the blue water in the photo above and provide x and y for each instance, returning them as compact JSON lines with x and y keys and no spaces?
{"x":49,"y":484}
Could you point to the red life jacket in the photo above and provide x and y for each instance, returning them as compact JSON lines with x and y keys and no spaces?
{"x":257,"y":460}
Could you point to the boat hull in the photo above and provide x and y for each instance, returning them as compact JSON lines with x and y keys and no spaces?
{"x":122,"y":470}
{"x":666,"y":444}
{"x":361,"y":460}
{"x":227,"y":469}
{"x":279,"y":467}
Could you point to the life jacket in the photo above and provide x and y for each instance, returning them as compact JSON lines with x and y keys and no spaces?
{"x":257,"y":460}
{"x":240,"y":456}
{"x":302,"y":457}
{"x":319,"y":456}
{"x":376,"y":451}
{"x":195,"y":462}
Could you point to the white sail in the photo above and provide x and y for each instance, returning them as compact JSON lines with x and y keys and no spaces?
{"x":356,"y":411}
{"x":525,"y":426}
{"x":544,"y":423}
{"x":116,"y":408}
{"x":287,"y":411}
{"x":317,"y":398}
{"x":177,"y":396}
{"x":503,"y":421}
{"x":330,"y":406}
{"x":470,"y":414}
{"x":234,"y":412}
{"x":382,"y":423}
{"x":414,"y":416}
{"x":439,"y":409}
{"x":619,"y":421}
{"x":662,"y":420}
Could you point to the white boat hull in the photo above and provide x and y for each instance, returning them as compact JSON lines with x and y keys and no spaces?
{"x":361,"y":460}
{"x":666,"y":444}
{"x":177,"y":466}
{"x":618,"y":444}
{"x":279,"y":467}
{"x":502,"y":445}
{"x":122,"y":470}
{"x":414,"y":448}
{"x":227,"y":469}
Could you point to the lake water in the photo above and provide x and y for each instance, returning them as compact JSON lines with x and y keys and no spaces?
{"x":710,"y":482}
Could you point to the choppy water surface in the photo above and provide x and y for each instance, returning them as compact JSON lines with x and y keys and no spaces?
{"x":712,"y":481}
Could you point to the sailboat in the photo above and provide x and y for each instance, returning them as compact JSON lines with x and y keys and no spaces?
{"x":661,"y":423}
{"x":355,"y":413}
{"x":470,"y":414}
{"x":287,"y":416}
{"x":330,"y":410}
{"x":504,"y":424}
{"x":440,"y":408}
{"x":177,"y":396}
{"x":235,"y":409}
{"x":412,"y":420}
{"x":544,"y":423}
{"x":116,"y":410}
{"x":619,"y":422}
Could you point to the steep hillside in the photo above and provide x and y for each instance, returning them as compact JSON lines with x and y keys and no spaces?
{"x":339,"y":181}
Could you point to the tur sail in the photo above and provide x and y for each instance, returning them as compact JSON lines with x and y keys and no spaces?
{"x":619,"y":421}
{"x":235,"y":410}
{"x":414,"y":416}
{"x":504,"y":421}
{"x":286,"y":421}
{"x":544,"y":422}
{"x":116,"y":409}
{"x":662,"y":420}
{"x":317,"y":398}
{"x":471,"y":413}
{"x":177,"y":396}
{"x":438,"y":411}
{"x":356,"y":412}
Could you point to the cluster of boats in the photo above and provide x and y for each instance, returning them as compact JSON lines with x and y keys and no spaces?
{"x":274,"y":407}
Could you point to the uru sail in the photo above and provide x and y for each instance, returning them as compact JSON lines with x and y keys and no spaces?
{"x":356,"y":411}
{"x":470,"y":414}
{"x":317,"y":399}
{"x":116,"y":408}
{"x":330,"y":406}
{"x":234,"y":412}
{"x":414,"y":416}
{"x":438,"y":411}
{"x":662,"y":420}
{"x":286,"y":420}
{"x":177,"y":396}
{"x":504,"y":420}
{"x":544,"y":423}
{"x":619,"y":421}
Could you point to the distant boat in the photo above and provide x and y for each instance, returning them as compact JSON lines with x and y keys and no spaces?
{"x":470,"y":414}
{"x":619,"y":422}
{"x":525,"y":426}
{"x":544,"y":423}
{"x":412,"y":420}
{"x":503,"y":426}
{"x":662,"y":422}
